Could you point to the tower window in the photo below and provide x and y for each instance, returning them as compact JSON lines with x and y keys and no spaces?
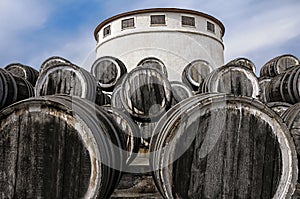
{"x":106,"y":31}
{"x":158,"y":19}
{"x":128,"y":23}
{"x":211,"y":27}
{"x":187,"y":21}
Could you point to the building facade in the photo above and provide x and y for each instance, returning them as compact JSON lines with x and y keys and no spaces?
{"x":174,"y":36}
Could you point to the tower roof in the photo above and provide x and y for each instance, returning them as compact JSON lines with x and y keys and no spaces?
{"x":135,"y":12}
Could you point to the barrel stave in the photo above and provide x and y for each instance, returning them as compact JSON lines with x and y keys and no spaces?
{"x":55,"y":144}
{"x":23,"y":71}
{"x":195,"y":72}
{"x":244,"y":62}
{"x":145,"y":94}
{"x":108,"y":71}
{"x":155,"y":63}
{"x":235,"y":151}
{"x":237,"y":80}
{"x":48,"y":157}
{"x":279,"y":65}
{"x":13,"y":88}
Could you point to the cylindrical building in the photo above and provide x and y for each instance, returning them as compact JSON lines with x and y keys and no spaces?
{"x":174,"y":36}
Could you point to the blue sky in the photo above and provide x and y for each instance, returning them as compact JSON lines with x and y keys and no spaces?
{"x":33,"y":30}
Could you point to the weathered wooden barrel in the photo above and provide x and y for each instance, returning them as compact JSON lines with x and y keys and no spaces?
{"x":278,"y":65}
{"x":153,"y":62}
{"x":59,"y":147}
{"x":195,"y":72}
{"x":285,"y":87}
{"x":23,"y":71}
{"x":223,"y":146}
{"x":53,"y":61}
{"x":70,"y":80}
{"x":108,"y":71}
{"x":263,"y":88}
{"x":292,"y":119}
{"x":242,"y":61}
{"x":128,"y":130}
{"x":180,"y":91}
{"x":146,"y":93}
{"x":13,"y":88}
{"x":233,"y":79}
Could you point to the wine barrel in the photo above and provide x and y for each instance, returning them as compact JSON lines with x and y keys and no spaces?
{"x":180,"y":92}
{"x":108,"y":70}
{"x":153,"y":62}
{"x":53,"y":61}
{"x":242,"y":61}
{"x":128,"y":130}
{"x":70,"y":80}
{"x":23,"y":71}
{"x":13,"y":88}
{"x":278,"y":65}
{"x":220,"y":145}
{"x":59,"y":147}
{"x":263,"y":85}
{"x":285,"y":87}
{"x":146,"y":94}
{"x":291,"y":118}
{"x":237,"y":80}
{"x":195,"y":72}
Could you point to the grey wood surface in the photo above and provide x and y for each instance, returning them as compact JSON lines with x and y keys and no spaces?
{"x":13,"y":88}
{"x":231,"y":151}
{"x":23,"y":71}
{"x":278,"y":65}
{"x":146,"y":93}
{"x":108,"y":71}
{"x":54,"y":147}
{"x":237,"y":80}
{"x":284,"y":87}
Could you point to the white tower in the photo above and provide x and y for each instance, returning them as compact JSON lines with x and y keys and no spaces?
{"x":176,"y":37}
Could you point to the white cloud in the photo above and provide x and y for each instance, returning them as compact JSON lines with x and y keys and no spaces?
{"x":19,"y":15}
{"x":251,"y":25}
{"x":79,"y":48}
{"x":266,"y":28}
{"x":18,"y":18}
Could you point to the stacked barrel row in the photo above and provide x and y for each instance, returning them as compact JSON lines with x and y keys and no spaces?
{"x":16,"y":83}
{"x":280,"y":90}
{"x":61,"y":143}
{"x":208,"y":136}
{"x":279,"y":80}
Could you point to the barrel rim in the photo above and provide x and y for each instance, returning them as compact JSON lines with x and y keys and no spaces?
{"x":117,"y":64}
{"x":284,"y":140}
{"x":212,"y":84}
{"x":189,"y":68}
{"x":83,"y":75}
{"x":50,"y":100}
{"x":165,"y":103}
{"x":252,"y":65}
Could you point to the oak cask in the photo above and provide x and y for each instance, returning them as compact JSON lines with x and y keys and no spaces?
{"x":278,"y":65}
{"x":146,"y":93}
{"x":59,"y":147}
{"x":108,"y":71}
{"x":218,"y":145}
